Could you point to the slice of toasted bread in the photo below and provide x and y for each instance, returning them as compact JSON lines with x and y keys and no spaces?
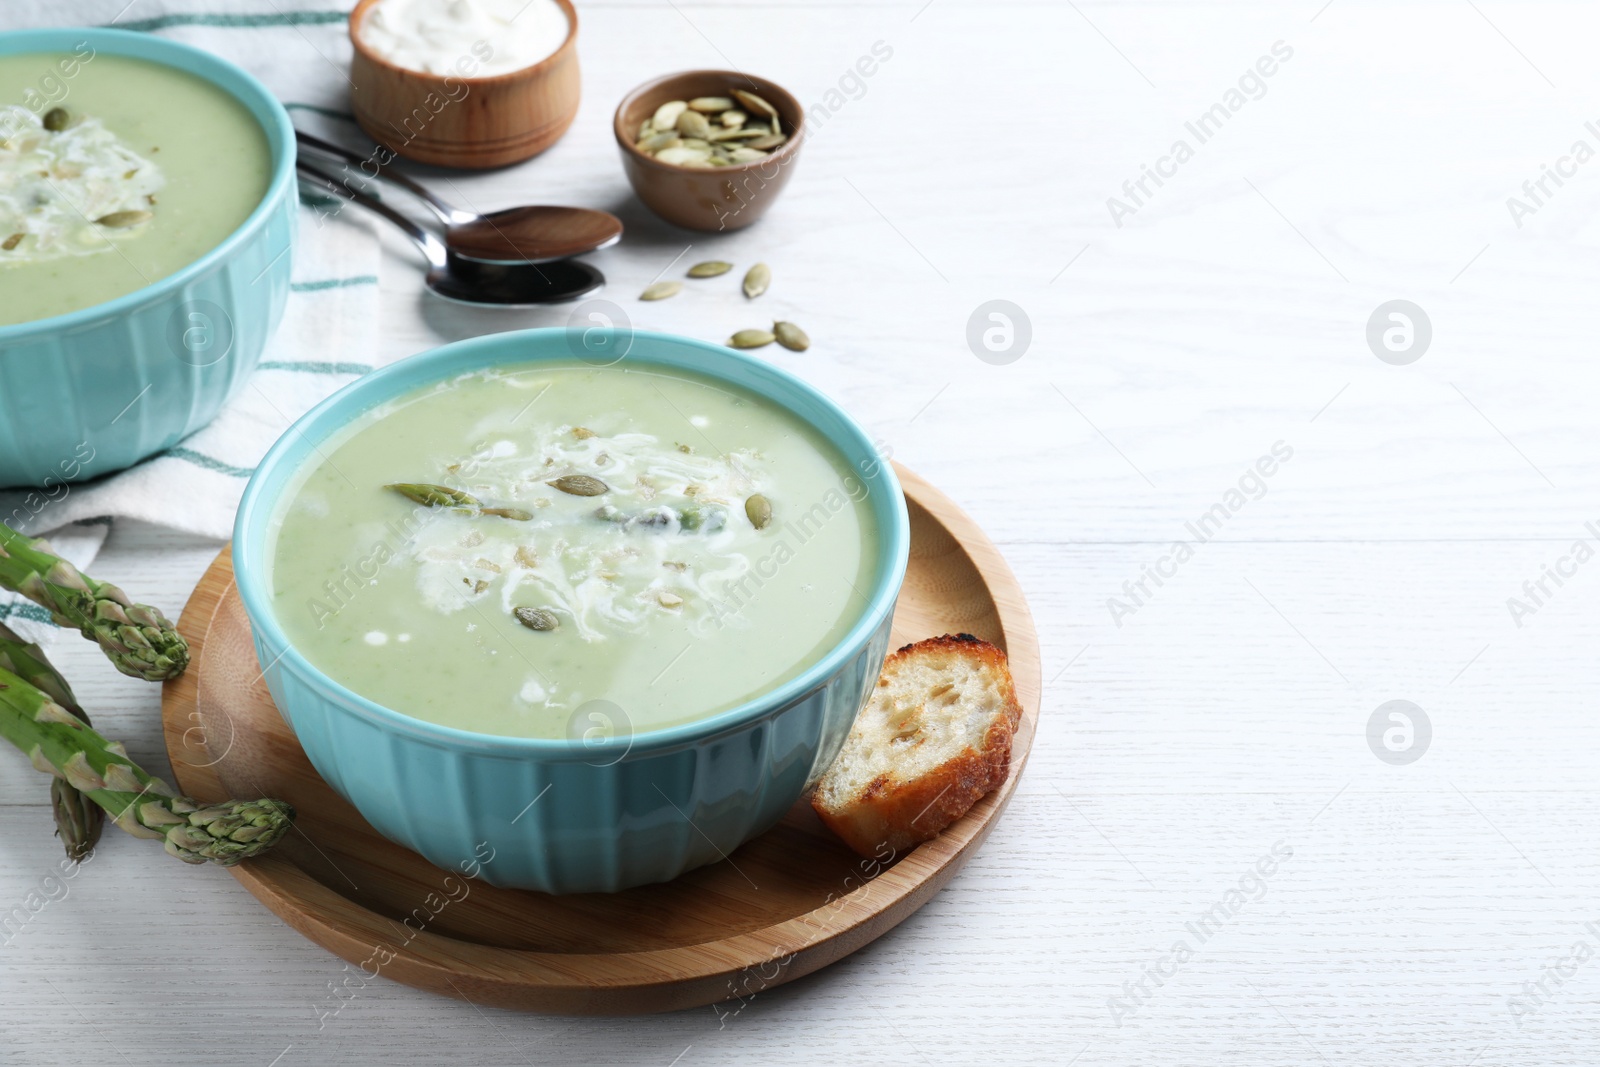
{"x":934,"y":737}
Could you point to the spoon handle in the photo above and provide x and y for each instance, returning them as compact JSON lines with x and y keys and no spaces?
{"x":445,"y":212}
{"x":432,"y":248}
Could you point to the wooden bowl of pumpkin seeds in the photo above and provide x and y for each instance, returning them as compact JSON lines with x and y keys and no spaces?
{"x":709,"y":149}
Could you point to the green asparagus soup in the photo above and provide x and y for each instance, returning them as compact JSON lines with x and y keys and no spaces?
{"x":552,"y":550}
{"x":114,"y":173}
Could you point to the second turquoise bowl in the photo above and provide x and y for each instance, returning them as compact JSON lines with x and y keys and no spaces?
{"x":623,"y":811}
{"x":95,"y":391}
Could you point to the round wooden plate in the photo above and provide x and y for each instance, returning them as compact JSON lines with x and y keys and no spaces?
{"x":797,"y":901}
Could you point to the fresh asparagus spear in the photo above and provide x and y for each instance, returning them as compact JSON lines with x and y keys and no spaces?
{"x":59,"y":743}
{"x":137,"y":638}
{"x":442,"y":496}
{"x":78,"y":819}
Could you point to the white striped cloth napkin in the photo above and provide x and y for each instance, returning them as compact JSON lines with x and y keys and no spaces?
{"x":327,"y":336}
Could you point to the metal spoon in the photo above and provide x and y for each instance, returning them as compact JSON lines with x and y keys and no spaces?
{"x":514,"y":235}
{"x":467,"y":282}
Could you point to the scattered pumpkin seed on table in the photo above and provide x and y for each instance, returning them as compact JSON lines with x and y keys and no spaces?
{"x":751,"y":339}
{"x":711,"y":268}
{"x":661,"y":290}
{"x":791,"y":336}
{"x":756,"y":280}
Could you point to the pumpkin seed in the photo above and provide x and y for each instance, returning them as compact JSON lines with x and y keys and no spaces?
{"x":758,"y":509}
{"x":693,"y":124}
{"x":767,"y":141}
{"x":733,"y":118}
{"x":666,"y":115}
{"x":515,"y":514}
{"x":655,"y":142}
{"x":711,"y":104}
{"x":684,"y":156}
{"x":122,"y":220}
{"x":755,"y":104}
{"x":526,"y":557}
{"x":756,"y":280}
{"x":11,"y":242}
{"x":661,"y":290}
{"x":537,"y":618}
{"x":58,"y":119}
{"x":709,"y":269}
{"x":791,"y":336}
{"x":579,"y":485}
{"x":751,"y":339}
{"x":670,"y":601}
{"x":583,"y":433}
{"x":646,"y":128}
{"x":745,"y":154}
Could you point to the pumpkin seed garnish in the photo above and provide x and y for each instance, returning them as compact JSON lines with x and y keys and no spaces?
{"x":58,"y":119}
{"x":583,"y":433}
{"x":537,"y":618}
{"x":751,"y":339}
{"x":661,"y":290}
{"x":11,"y":242}
{"x":515,"y":514}
{"x":709,"y":269}
{"x":579,"y":485}
{"x":791,"y":336}
{"x":122,"y":220}
{"x":756,"y":280}
{"x":670,"y":601}
{"x":758,"y":509}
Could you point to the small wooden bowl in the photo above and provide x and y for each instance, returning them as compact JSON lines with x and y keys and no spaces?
{"x":455,"y":120}
{"x":717,"y":198}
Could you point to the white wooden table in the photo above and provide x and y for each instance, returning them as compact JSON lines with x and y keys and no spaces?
{"x":1431,"y":912}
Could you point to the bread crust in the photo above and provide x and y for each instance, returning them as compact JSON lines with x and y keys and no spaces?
{"x":900,"y":813}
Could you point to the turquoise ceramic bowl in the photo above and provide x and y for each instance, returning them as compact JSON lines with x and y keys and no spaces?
{"x":97,"y":390}
{"x":573,"y":816}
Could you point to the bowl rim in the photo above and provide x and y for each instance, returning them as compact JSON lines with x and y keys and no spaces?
{"x":358,"y":14}
{"x":339,"y":410}
{"x":206,"y":66}
{"x":781,"y":156}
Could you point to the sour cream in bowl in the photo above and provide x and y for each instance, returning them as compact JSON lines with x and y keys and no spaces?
{"x":464,"y":83}
{"x":429,"y":36}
